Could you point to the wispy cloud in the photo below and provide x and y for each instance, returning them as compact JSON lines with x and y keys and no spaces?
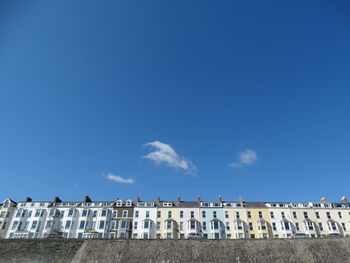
{"x":164,"y":154}
{"x":119,"y":179}
{"x":246,"y":157}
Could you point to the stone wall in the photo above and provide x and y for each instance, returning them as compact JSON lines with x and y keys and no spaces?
{"x":176,"y":251}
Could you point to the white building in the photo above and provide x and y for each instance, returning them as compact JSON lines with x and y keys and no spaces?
{"x":144,"y":221}
{"x":28,"y":220}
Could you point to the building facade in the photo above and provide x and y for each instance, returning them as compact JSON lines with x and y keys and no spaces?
{"x":172,"y":219}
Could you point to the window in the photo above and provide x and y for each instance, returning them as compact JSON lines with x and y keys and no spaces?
{"x":181,"y":214}
{"x":317,"y":215}
{"x":169,"y":214}
{"x":343,"y":226}
{"x":238,"y":215}
{"x":82,"y":224}
{"x":158,"y":225}
{"x":295,"y":215}
{"x":226,"y":214}
{"x":214,"y":214}
{"x":340,"y":215}
{"x":169,"y":224}
{"x":37,"y":213}
{"x":168,"y":235}
{"x":104,"y":212}
{"x":146,"y":224}
{"x":309,"y":225}
{"x":135,"y":225}
{"x":215,"y":224}
{"x":102,"y":224}
{"x":286,"y":225}
{"x":125,"y":213}
{"x":239,"y":225}
{"x":251,"y":226}
{"x":114,"y":214}
{"x":84,"y":212}
{"x":306,"y":215}
{"x":15,"y":225}
{"x":320,"y":226}
{"x":52,"y":212}
{"x":193,"y":225}
{"x":203,"y":214}
{"x":18,"y":214}
{"x":228,"y":226}
{"x":68,"y":224}
{"x":328,"y":215}
{"x":147,"y":214}
{"x":159,"y":214}
{"x":70,"y":212}
{"x":283,"y":215}
{"x":181,"y":226}
{"x":122,"y":224}
{"x":260,"y":214}
{"x":263,"y":225}
{"x":332,"y":225}
{"x":136,"y":214}
{"x":204,"y":225}
{"x":158,"y":236}
{"x":94,"y":214}
{"x":297,"y":226}
{"x":34,"y":225}
{"x":192,"y":214}
{"x":274,"y":228}
{"x":272,"y":215}
{"x":249,"y":214}
{"x":145,"y":235}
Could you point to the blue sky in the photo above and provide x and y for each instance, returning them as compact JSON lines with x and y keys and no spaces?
{"x":146,"y":98}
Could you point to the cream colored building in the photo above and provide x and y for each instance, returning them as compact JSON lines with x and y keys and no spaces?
{"x":176,"y":220}
{"x":258,"y":218}
{"x":236,"y":221}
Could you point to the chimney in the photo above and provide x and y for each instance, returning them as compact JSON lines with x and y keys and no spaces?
{"x":28,"y":199}
{"x":241,"y":200}
{"x":323,"y":200}
{"x":344,"y":200}
{"x":199,"y":198}
{"x":87,"y":199}
{"x":57,"y":200}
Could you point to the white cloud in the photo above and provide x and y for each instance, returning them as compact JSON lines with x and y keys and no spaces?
{"x":119,"y":179}
{"x":246,"y":157}
{"x":164,"y":154}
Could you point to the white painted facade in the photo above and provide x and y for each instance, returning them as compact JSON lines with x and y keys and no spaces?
{"x":144,"y":220}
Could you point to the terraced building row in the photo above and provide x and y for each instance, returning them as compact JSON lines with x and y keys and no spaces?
{"x":172,"y":219}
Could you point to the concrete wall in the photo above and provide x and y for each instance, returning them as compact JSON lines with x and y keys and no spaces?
{"x":176,"y":251}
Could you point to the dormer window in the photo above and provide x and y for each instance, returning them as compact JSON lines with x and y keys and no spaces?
{"x":167,"y":204}
{"x":119,"y":203}
{"x":128,"y":203}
